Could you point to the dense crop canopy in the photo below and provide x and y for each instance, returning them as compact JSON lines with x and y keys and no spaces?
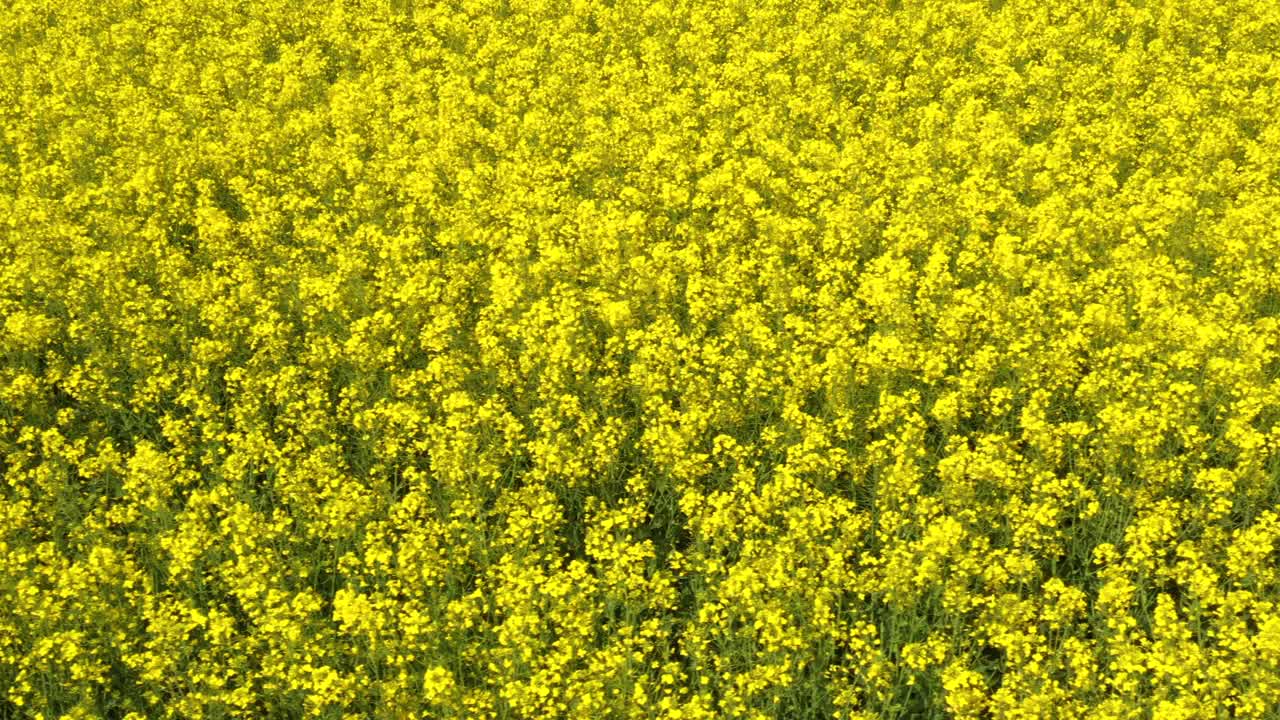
{"x":628,"y":359}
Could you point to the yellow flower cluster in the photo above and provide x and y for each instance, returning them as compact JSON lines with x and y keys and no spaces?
{"x":643,"y":360}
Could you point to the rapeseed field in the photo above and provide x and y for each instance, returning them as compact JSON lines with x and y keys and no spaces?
{"x":529,"y":359}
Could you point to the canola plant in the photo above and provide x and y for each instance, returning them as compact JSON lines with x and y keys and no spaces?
{"x":508,"y":359}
